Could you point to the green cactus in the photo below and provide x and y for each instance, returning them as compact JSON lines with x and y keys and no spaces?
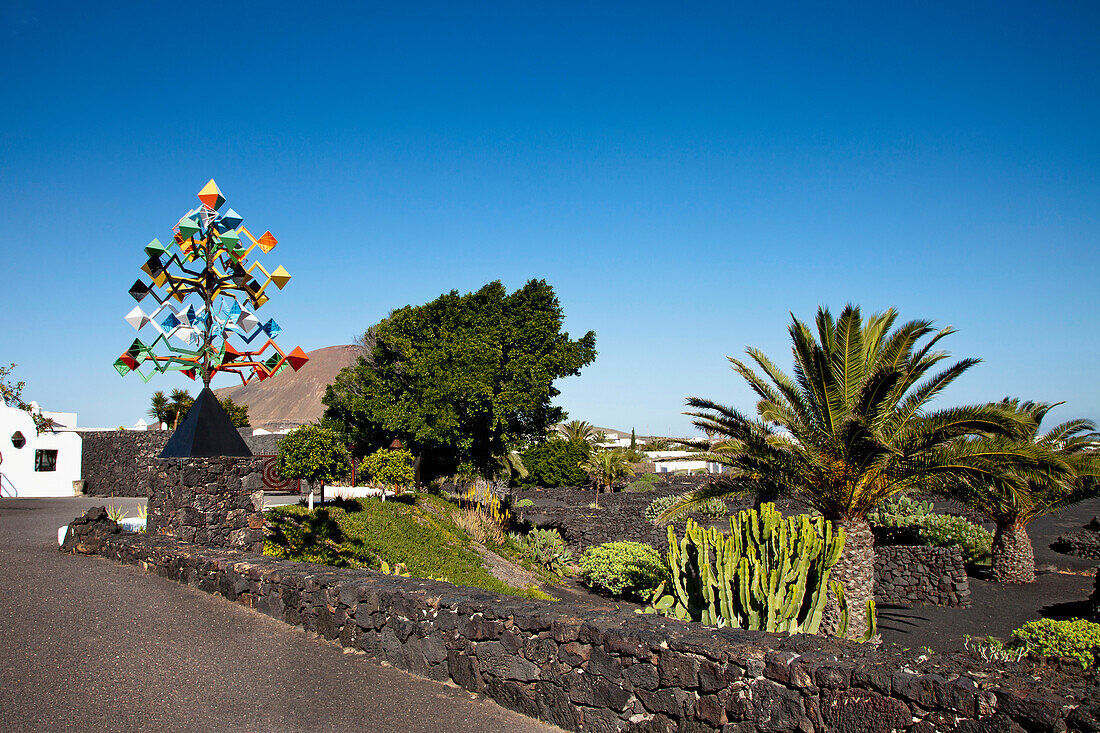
{"x":842,"y":627}
{"x":769,"y":573}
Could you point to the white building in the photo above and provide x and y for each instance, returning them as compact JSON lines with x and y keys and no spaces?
{"x":670,"y":461}
{"x":33,"y":464}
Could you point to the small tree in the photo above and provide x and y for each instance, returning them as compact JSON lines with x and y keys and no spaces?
{"x":159,"y":408}
{"x":605,"y":468}
{"x":238,"y":414}
{"x":179,"y":403}
{"x":313,"y":454}
{"x":389,"y":467}
{"x":1024,"y":477}
{"x":12,"y":395}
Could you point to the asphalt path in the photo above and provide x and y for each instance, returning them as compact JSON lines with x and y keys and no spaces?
{"x":91,"y":645}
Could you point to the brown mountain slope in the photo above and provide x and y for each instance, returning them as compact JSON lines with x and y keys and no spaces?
{"x":292,"y":398}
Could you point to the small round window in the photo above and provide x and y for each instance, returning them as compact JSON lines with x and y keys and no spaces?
{"x":18,"y":440}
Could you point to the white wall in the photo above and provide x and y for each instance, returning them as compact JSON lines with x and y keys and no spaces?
{"x":17,"y":465}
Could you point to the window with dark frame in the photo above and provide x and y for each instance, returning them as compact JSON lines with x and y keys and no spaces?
{"x":45,"y":460}
{"x":18,"y":440}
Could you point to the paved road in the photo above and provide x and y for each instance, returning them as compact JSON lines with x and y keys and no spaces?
{"x":90,"y":645}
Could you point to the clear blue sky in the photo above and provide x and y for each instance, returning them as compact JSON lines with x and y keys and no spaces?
{"x":684,"y":175}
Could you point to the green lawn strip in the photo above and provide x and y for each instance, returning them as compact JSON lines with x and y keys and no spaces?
{"x":358,"y":534}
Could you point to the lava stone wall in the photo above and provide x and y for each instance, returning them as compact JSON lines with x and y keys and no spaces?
{"x":209,"y":501}
{"x":607,"y":670}
{"x":917,"y":574}
{"x":121,"y":462}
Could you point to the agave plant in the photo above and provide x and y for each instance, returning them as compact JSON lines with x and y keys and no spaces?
{"x":850,"y":429}
{"x":1064,"y":468}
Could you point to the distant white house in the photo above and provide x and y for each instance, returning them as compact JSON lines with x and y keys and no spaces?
{"x":37,"y":465}
{"x":670,"y":461}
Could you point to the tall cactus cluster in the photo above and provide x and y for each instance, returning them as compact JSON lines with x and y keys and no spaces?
{"x":771,"y":573}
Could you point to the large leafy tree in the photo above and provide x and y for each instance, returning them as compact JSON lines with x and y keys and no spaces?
{"x":1061,"y":467}
{"x":462,"y":380}
{"x":556,"y":462}
{"x":851,"y":428}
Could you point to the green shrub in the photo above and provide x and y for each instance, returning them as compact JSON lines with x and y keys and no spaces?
{"x":898,"y":511}
{"x":623,"y":569}
{"x":658,"y":506}
{"x":644,"y":483}
{"x":389,"y":467}
{"x":713,"y":508}
{"x":1075,"y":638}
{"x":555,"y":463}
{"x":524,"y":503}
{"x":545,"y":548}
{"x":944,"y":530}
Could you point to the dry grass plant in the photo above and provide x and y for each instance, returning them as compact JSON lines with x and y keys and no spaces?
{"x":475,"y":522}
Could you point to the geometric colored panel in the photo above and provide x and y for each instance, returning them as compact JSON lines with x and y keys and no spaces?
{"x":229,"y":220}
{"x":136,"y":318}
{"x":272,"y":329}
{"x":248,"y":321}
{"x":170,"y":322}
{"x":122,"y":365}
{"x":280,"y":277}
{"x":188,"y":227}
{"x":211,"y":195}
{"x":155,"y":248}
{"x":267,"y":242}
{"x":297,"y":358}
{"x":139,"y":290}
{"x":230,"y":239}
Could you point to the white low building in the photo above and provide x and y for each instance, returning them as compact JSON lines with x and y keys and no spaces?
{"x":671,"y":461}
{"x":36,"y":465}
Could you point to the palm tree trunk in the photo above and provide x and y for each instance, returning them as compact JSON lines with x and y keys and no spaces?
{"x":856,"y":572}
{"x":1013,"y":558}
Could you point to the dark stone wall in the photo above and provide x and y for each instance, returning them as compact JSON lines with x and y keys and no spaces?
{"x":209,"y":501}
{"x":917,"y":574}
{"x":608,"y":670}
{"x":121,"y":462}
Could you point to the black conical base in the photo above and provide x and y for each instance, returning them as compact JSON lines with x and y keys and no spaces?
{"x":206,"y":432}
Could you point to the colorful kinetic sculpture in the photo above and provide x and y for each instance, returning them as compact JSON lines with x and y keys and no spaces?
{"x":207,"y":291}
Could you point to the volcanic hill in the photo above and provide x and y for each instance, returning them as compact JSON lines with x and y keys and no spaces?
{"x":292,"y":398}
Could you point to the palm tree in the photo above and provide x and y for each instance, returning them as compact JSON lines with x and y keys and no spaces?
{"x":179,"y":402}
{"x":1066,"y":470}
{"x":849,"y":430}
{"x":579,"y":430}
{"x":159,"y":409}
{"x":509,"y":466}
{"x":605,"y":467}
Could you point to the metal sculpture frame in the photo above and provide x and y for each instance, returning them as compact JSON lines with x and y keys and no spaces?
{"x":206,"y":291}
